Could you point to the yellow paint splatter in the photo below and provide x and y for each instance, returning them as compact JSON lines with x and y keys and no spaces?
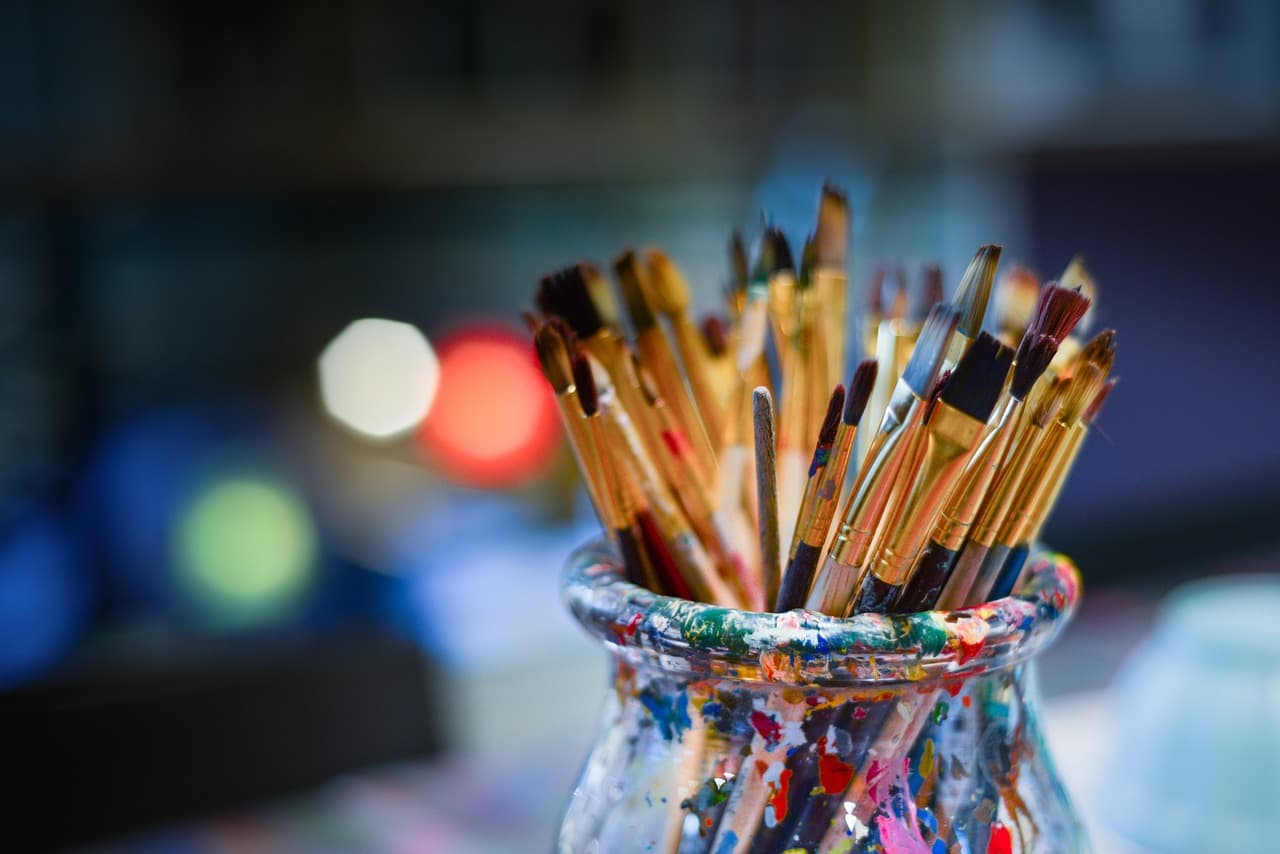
{"x":926,"y":759}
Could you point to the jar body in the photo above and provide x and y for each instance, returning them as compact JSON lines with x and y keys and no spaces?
{"x":719,"y":764}
{"x":730,"y":732}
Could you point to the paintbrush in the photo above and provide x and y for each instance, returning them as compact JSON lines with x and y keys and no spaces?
{"x":780,"y":273}
{"x":972,"y":295}
{"x":721,"y":370}
{"x":892,"y":342}
{"x":830,"y":283}
{"x":802,"y":374}
{"x":951,"y":432}
{"x":688,"y":553}
{"x":838,"y":578}
{"x":818,"y":462}
{"x":767,"y":489}
{"x":1016,"y":298}
{"x":827,"y":471}
{"x":651,"y":342}
{"x":671,"y":296}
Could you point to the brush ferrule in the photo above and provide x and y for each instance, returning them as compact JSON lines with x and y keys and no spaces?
{"x":958,"y":514}
{"x":999,"y":504}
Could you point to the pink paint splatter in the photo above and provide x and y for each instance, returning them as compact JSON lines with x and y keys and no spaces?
{"x":899,"y":839}
{"x":859,"y":713}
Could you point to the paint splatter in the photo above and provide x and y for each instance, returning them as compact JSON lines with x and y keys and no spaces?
{"x":859,"y":713}
{"x":1001,"y":842}
{"x":834,"y":773}
{"x":926,"y":759}
{"x":778,"y":794}
{"x":770,"y":730}
{"x":672,"y":719}
{"x":728,"y":842}
{"x":940,"y":712}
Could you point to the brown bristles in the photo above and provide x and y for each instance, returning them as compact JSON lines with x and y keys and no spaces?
{"x":553,"y":355}
{"x":827,"y":433}
{"x":831,"y":242}
{"x":1046,"y":406}
{"x":1100,"y":351}
{"x":634,"y":291}
{"x":1095,"y":406}
{"x":974,"y":289}
{"x":1058,"y":312}
{"x":669,"y":290}
{"x":775,"y":254}
{"x":585,"y":382}
{"x":739,"y":266}
{"x":935,"y":395}
{"x":808,"y":262}
{"x":1035,"y":352}
{"x":715,"y":334}
{"x":565,"y":293}
{"x":1081,"y":389}
{"x":855,"y":400}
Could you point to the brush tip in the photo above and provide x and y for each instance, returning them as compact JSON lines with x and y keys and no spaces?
{"x":1058,"y":311}
{"x":716,"y":335}
{"x":553,"y":356}
{"x":931,"y":348}
{"x":1035,"y":352}
{"x":739,"y":267}
{"x":585,"y":383}
{"x":860,"y":387}
{"x":831,"y":242}
{"x":670,"y":291}
{"x":634,"y":291}
{"x":974,"y":289}
{"x":1095,"y":406}
{"x":827,"y":433}
{"x":779,"y":251}
{"x":979,"y":377}
{"x":565,"y":293}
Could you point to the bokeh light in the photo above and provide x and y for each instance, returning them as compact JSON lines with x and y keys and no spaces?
{"x":379,"y":377}
{"x":494,"y":422}
{"x":246,"y":549}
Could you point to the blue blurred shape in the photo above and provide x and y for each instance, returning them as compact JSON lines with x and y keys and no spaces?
{"x":44,"y":597}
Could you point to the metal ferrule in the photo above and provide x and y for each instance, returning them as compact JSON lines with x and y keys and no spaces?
{"x":996,"y":509}
{"x":971,"y":487}
{"x":1045,"y":506}
{"x":951,"y":437}
{"x":1049,"y":457}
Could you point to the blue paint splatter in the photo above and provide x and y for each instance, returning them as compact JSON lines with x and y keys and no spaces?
{"x":728,"y":843}
{"x":672,"y":718}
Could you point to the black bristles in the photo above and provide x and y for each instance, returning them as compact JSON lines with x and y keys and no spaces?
{"x":1035,"y":352}
{"x":777,"y":249}
{"x":832,"y":419}
{"x":565,"y":293}
{"x":585,"y":383}
{"x":979,"y":377}
{"x":931,"y":347}
{"x":1058,"y":311}
{"x":808,"y":261}
{"x":855,"y":400}
{"x":739,"y":267}
{"x":975,"y":289}
{"x":935,"y":394}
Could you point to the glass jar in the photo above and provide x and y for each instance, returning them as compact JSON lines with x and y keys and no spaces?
{"x":733,"y":731}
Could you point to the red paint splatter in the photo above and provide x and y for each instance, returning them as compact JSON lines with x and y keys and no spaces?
{"x":633,"y":625}
{"x":778,"y":795}
{"x":967,"y":700}
{"x":677,"y":443}
{"x":953,"y":686}
{"x":859,"y":713}
{"x":1000,"y":842}
{"x":833,"y":772}
{"x":768,"y":728}
{"x":969,"y":649}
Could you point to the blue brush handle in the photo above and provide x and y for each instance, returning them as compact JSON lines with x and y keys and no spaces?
{"x":1011,"y":571}
{"x":799,"y":575}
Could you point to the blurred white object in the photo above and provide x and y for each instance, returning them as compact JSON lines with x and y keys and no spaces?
{"x":379,"y":377}
{"x":1196,"y":723}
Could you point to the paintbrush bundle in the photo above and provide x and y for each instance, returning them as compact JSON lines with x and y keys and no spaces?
{"x":729,"y":463}
{"x":718,"y":471}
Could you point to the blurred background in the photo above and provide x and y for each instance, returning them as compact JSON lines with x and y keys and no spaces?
{"x":283,"y":500}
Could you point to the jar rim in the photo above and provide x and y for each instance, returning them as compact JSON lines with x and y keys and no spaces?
{"x":806,"y":647}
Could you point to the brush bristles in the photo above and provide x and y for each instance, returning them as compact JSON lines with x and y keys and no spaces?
{"x":670,"y":291}
{"x":1047,"y":405}
{"x":855,"y":399}
{"x":1035,"y":352}
{"x":975,"y":289}
{"x":585,"y":382}
{"x":601,"y":293}
{"x":808,"y":262}
{"x":716,"y":336}
{"x":1058,"y":311}
{"x":553,"y":355}
{"x":629,"y":274}
{"x":1081,"y":390}
{"x":979,"y":377}
{"x":565,"y":293}
{"x":775,"y":255}
{"x":875,"y":291}
{"x":935,"y":395}
{"x":1100,"y":351}
{"x":931,"y":347}
{"x":827,"y":433}
{"x":831,"y":243}
{"x":1077,"y":277}
{"x":1095,"y":406}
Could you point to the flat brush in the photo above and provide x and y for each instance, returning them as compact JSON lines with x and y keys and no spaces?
{"x":819,"y":506}
{"x":671,"y":296}
{"x":767,"y":489}
{"x":837,"y":580}
{"x":961,"y":508}
{"x":952,"y":430}
{"x":651,"y":342}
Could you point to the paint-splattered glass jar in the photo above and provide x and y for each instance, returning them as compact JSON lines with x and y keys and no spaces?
{"x":728,"y":731}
